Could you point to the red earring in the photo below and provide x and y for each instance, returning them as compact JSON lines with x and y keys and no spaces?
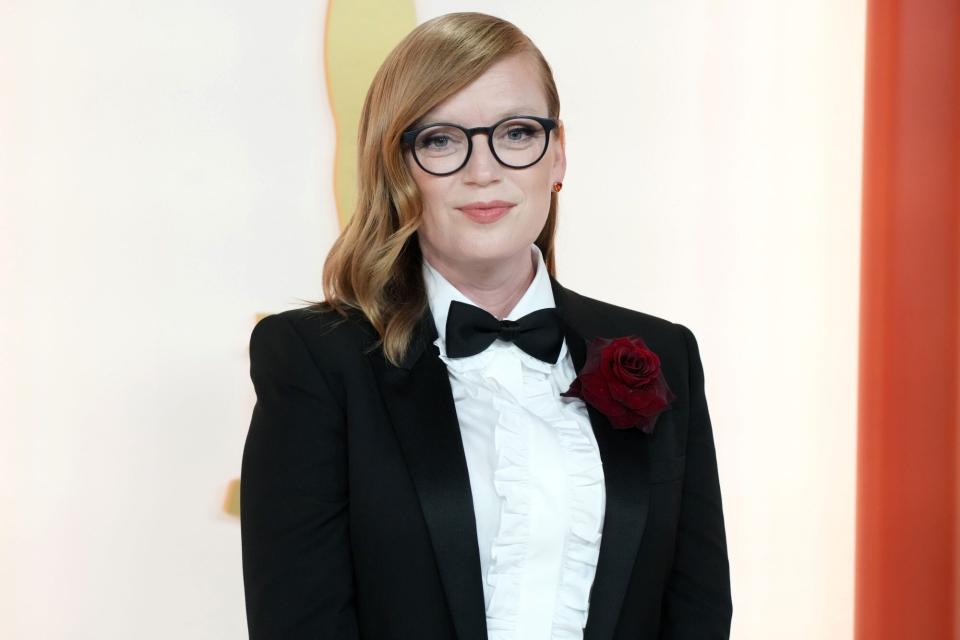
{"x":557,"y":186}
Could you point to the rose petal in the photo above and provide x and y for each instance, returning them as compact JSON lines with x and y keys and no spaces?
{"x":622,"y":379}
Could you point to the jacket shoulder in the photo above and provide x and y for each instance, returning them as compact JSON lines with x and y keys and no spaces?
{"x":673,"y":342}
{"x":600,"y":317}
{"x":330,"y":338}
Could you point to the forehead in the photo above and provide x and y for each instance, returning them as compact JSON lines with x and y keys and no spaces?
{"x":509,"y":87}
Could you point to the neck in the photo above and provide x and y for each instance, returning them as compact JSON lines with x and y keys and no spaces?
{"x":495,"y":287}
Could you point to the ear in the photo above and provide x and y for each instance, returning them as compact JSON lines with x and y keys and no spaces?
{"x":559,"y":167}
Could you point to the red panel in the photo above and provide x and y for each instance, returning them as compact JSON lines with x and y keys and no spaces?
{"x":909,"y":413}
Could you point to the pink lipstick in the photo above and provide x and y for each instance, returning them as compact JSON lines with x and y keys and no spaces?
{"x":486,"y":212}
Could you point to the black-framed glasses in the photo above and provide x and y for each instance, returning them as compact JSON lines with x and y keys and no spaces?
{"x":517,"y":142}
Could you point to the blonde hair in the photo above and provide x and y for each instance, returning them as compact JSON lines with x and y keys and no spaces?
{"x":375,"y":264}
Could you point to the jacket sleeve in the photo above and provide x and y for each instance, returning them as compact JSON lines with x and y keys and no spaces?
{"x":697,"y":603}
{"x":297,"y":566}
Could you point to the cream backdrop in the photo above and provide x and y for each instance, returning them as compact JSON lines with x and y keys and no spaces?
{"x":167,"y":174}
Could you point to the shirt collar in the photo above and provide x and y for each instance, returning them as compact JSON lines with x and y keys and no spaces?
{"x":539,"y":295}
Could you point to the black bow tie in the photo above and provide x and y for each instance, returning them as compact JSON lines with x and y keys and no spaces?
{"x":471,"y":329}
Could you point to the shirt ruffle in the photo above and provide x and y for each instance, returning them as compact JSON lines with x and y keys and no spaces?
{"x":512,"y":483}
{"x":586,"y":509}
{"x":511,"y":479}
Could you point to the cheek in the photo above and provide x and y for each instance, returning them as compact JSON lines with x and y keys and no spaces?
{"x":431,"y":200}
{"x":431,"y":194}
{"x":537,"y":198}
{"x":436,"y":222}
{"x":431,"y":224}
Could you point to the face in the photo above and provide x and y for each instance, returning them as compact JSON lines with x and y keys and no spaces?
{"x":447,"y":234}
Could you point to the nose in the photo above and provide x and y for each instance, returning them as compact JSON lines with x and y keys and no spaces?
{"x":482,"y":167}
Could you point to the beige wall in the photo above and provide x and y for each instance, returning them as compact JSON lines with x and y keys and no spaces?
{"x":166,"y":172}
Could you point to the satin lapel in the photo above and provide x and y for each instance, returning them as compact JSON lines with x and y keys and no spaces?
{"x":625,"y":460}
{"x":420,"y":403}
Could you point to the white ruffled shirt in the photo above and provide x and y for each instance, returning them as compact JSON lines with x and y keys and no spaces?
{"x":535,"y":475}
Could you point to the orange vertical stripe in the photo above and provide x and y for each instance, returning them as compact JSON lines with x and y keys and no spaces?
{"x":908,"y":460}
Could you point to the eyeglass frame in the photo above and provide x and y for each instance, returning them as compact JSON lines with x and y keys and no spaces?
{"x":409,"y":137}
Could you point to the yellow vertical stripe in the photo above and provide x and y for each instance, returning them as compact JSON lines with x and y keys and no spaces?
{"x":358,"y":36}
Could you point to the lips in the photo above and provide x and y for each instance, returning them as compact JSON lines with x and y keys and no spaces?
{"x":486,"y":212}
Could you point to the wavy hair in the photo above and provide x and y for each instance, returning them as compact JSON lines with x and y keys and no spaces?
{"x":374,"y":266}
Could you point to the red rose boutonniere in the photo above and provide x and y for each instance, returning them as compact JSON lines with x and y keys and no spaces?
{"x":621,"y":378}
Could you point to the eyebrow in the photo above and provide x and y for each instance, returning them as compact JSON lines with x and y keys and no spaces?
{"x":516,"y":111}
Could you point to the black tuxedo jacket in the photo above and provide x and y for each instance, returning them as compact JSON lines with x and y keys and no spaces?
{"x":357,"y":518}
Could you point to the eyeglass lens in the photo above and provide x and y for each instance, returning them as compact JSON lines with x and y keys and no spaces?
{"x":516,"y":143}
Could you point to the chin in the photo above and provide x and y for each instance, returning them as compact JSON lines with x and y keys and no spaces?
{"x":493,"y":247}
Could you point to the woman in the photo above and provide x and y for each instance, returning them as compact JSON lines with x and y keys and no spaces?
{"x":425,"y":458}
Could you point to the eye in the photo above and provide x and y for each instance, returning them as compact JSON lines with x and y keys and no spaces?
{"x":438,"y":141}
{"x":519,"y":132}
